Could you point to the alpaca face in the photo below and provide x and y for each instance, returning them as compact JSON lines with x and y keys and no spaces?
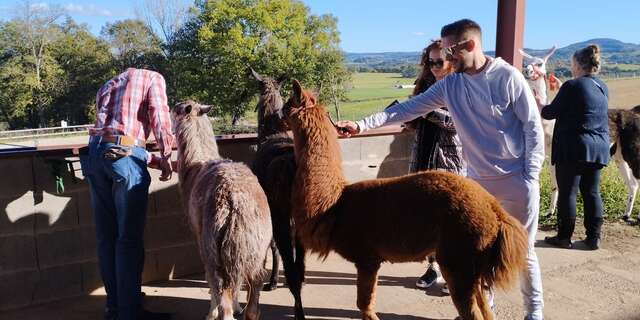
{"x":270,"y":99}
{"x":298,"y":104}
{"x":536,"y":66}
{"x":185,"y":110}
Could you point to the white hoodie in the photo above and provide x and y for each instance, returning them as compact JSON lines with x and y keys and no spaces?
{"x":495,"y":115}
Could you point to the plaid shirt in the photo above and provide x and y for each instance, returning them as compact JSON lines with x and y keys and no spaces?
{"x":133,"y":103}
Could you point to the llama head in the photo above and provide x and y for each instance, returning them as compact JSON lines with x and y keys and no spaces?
{"x":188,"y":111}
{"x":300,"y":101}
{"x":536,"y":67}
{"x":270,"y":103}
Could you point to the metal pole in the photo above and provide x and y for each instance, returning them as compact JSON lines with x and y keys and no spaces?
{"x":510,"y":31}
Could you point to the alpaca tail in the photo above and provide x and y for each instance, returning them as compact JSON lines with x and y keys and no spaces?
{"x":509,"y":254}
{"x":234,"y":249}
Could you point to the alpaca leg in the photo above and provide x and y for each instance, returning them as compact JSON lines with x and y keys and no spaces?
{"x":299,"y":280}
{"x":463,"y":287}
{"x":226,"y":303}
{"x":252,"y":311}
{"x":481,"y":301}
{"x":554,"y":191}
{"x":630,"y":182}
{"x":284,"y":241}
{"x":215,"y":293}
{"x":237,"y":308}
{"x":300,"y":260}
{"x":367,"y":282}
{"x":275,"y":266}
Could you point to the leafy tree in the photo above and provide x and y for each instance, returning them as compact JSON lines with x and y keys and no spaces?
{"x":133,"y":44}
{"x":26,"y":40}
{"x":87,"y":63}
{"x":274,"y":37}
{"x":30,"y":74}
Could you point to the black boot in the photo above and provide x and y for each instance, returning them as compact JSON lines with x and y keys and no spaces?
{"x":593,"y":228}
{"x":565,"y":231}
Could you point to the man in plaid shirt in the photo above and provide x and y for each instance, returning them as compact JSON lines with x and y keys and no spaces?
{"x":129,"y":107}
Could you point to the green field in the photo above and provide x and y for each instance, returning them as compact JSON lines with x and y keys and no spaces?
{"x":372,"y":92}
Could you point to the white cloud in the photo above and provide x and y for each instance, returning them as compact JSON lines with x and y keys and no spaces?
{"x":87,"y":10}
{"x":39,"y":6}
{"x":419,"y":34}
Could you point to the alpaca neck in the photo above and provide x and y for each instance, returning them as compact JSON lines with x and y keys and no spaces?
{"x":540,"y":86}
{"x":319,"y":179}
{"x":269,"y":123}
{"x":268,"y":126}
{"x":196,"y":145}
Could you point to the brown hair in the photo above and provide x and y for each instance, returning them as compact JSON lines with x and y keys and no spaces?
{"x":588,"y":59}
{"x":460,"y":28}
{"x":426,"y":78}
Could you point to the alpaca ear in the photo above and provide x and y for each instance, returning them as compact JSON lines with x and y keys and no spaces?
{"x":549,"y":53}
{"x":524,"y":54}
{"x":187,"y":109}
{"x":282,"y":79}
{"x":255,"y":75}
{"x":297,"y":90}
{"x":204,"y":109}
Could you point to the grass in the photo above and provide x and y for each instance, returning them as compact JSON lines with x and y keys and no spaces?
{"x":372,"y":92}
{"x":612,"y":189}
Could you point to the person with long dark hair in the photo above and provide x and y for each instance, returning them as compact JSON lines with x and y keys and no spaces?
{"x":436,"y":145}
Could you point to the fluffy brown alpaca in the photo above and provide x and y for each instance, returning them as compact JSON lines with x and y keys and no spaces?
{"x":399,"y":219}
{"x":275,"y":168}
{"x":227,"y":211}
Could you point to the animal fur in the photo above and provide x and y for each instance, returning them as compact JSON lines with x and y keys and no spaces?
{"x":275,"y":168}
{"x":624,"y":134}
{"x":536,"y":74}
{"x":399,"y":219}
{"x":227,"y":210}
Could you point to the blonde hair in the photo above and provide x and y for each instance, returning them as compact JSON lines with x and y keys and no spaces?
{"x":588,"y":59}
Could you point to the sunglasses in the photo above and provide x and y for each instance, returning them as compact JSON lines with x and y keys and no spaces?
{"x":435,"y":63}
{"x":454,"y":49}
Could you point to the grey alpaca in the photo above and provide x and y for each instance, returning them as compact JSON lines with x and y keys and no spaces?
{"x":227,"y":211}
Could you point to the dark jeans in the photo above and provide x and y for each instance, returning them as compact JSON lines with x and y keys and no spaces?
{"x":586,"y":177}
{"x":119,"y":191}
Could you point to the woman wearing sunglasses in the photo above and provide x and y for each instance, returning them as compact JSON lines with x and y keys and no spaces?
{"x":436,"y":145}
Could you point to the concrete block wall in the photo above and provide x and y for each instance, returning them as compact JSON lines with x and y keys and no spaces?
{"x":47,"y":240}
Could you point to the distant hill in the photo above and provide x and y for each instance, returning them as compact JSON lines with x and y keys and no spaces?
{"x":613,"y":52}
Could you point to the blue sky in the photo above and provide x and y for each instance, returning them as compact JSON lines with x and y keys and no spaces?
{"x":407,"y":25}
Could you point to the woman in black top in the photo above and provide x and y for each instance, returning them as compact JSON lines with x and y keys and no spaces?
{"x":580,"y":146}
{"x":436,"y":145}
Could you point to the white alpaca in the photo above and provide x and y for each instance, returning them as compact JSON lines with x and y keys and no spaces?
{"x":536,"y":74}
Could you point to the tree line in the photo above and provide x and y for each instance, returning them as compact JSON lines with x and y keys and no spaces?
{"x":51,"y":67}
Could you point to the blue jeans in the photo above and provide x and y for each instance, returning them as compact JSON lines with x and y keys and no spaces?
{"x":119,"y":191}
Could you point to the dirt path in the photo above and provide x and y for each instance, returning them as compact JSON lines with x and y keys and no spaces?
{"x":578,"y":284}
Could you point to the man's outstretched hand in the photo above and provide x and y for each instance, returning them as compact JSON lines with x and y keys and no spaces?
{"x":347,"y":128}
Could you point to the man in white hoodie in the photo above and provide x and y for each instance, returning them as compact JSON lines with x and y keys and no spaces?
{"x":498,"y":122}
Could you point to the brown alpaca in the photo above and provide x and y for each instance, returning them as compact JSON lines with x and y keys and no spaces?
{"x":399,"y":219}
{"x":275,"y":168}
{"x":227,"y":211}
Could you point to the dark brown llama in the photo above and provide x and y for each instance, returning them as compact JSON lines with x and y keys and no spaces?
{"x":624,"y":134}
{"x":275,"y":167}
{"x":399,"y":219}
{"x":227,"y":211}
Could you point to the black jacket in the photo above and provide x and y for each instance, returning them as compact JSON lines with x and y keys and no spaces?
{"x":581,"y":132}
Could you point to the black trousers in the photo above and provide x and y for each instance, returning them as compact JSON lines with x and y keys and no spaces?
{"x":583,"y":176}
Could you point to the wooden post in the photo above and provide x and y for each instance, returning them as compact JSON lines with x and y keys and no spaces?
{"x":510,"y":31}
